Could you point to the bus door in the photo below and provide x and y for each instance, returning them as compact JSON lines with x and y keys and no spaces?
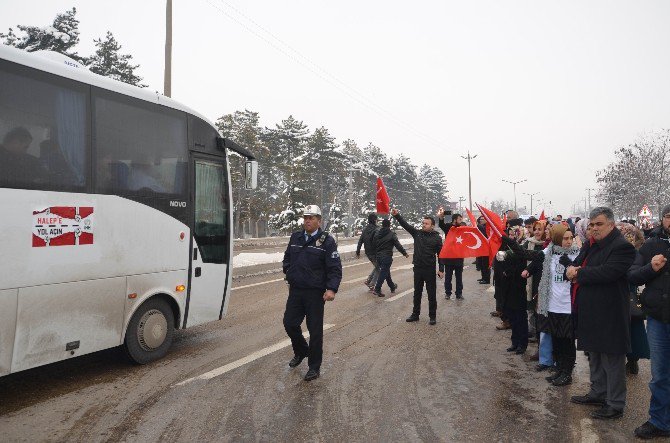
{"x":211,"y":236}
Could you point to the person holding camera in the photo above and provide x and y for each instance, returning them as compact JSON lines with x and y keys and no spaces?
{"x":651,"y":269}
{"x":452,"y":266}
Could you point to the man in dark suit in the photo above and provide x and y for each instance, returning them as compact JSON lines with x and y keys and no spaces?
{"x":600,"y":290}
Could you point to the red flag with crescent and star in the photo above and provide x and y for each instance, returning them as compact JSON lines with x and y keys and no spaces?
{"x":383,"y":200}
{"x":496,"y":229}
{"x":463,"y":242}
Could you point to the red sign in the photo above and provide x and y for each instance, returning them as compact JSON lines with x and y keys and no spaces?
{"x":63,"y":226}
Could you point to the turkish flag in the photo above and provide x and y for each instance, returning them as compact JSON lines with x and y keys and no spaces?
{"x":383,"y":200}
{"x":495,"y":228}
{"x":542,"y":216}
{"x":473,"y":220}
{"x":464,"y":241}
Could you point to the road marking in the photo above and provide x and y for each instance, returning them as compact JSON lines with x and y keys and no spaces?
{"x":257,"y":284}
{"x":252,"y":285}
{"x":244,"y":360}
{"x":402,"y":294}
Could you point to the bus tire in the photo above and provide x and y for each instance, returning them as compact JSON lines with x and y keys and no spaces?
{"x":150,"y":331}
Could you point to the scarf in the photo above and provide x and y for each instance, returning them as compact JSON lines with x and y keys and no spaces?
{"x":544,"y":292}
{"x":530,"y":245}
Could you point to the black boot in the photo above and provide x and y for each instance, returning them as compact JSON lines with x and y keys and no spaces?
{"x":555,"y":375}
{"x":564,"y":379}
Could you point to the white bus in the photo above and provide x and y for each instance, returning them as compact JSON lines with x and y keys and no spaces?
{"x":117,"y":219}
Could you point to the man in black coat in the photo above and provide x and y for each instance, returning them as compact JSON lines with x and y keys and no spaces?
{"x":384,"y":242}
{"x":427,"y":246}
{"x":651,"y":269}
{"x":600,"y":288}
{"x":452,"y":266}
{"x":366,"y":240}
{"x":484,"y":264}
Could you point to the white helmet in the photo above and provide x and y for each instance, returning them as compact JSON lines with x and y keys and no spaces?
{"x":312,"y":210}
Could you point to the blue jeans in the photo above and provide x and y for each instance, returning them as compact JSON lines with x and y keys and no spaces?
{"x":546,"y":349}
{"x":384,"y":273}
{"x":658,"y":334}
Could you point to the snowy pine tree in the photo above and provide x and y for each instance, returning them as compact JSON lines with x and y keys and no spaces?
{"x":62,"y":36}
{"x":108,"y":61}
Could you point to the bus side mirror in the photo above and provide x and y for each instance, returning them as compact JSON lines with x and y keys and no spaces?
{"x":251,"y":174}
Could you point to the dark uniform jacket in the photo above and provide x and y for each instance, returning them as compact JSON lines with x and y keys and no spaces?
{"x":384,"y":241}
{"x":656,"y":295}
{"x":366,"y":238}
{"x":312,"y":264}
{"x":602,"y":298}
{"x":510,"y":287}
{"x":427,"y":245}
{"x":449,"y":261}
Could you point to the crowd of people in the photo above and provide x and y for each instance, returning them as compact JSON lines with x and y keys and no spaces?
{"x":566,"y":285}
{"x":569,"y":286}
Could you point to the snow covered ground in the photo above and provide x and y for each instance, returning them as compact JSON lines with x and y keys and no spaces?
{"x":260,"y":258}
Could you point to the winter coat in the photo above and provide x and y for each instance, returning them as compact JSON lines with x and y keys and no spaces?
{"x":384,"y":241}
{"x":312,"y":264}
{"x":427,"y":245}
{"x":366,"y":238}
{"x":655,"y":297}
{"x":510,"y":287}
{"x":449,"y":261}
{"x":602,"y":297}
{"x":533,"y":246}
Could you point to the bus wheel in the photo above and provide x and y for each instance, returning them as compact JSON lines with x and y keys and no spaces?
{"x":150,"y":331}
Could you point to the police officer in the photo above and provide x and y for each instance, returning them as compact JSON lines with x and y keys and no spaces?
{"x":313,"y":271}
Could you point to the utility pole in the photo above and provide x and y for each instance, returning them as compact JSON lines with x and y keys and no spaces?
{"x":351,"y":198}
{"x":460,"y":200}
{"x":514,"y":184}
{"x":469,"y":158}
{"x":167,"y":86}
{"x":531,"y":200}
{"x":589,"y":191}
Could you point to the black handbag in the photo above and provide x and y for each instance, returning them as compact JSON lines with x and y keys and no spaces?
{"x":636,"y":305}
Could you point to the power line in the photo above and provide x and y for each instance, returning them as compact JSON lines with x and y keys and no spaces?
{"x":317,"y":70}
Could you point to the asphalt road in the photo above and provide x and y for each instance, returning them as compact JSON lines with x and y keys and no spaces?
{"x":382,"y":380}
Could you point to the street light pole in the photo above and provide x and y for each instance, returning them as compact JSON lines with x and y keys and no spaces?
{"x":460,"y":200}
{"x":469,"y":158}
{"x":514,"y":184}
{"x":589,"y":191}
{"x":167,"y":85}
{"x":531,"y":200}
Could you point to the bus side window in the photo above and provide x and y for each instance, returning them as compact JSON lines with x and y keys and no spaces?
{"x":43,"y":132}
{"x":139,"y":147}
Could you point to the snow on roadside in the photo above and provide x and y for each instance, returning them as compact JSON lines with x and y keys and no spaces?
{"x":260,"y":258}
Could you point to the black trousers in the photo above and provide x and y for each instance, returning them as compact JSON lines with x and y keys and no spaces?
{"x":303,"y":303}
{"x":427,"y":276}
{"x":384,"y":273}
{"x":484,"y":268}
{"x":518,"y":318}
{"x":458,"y":271}
{"x":565,"y":352}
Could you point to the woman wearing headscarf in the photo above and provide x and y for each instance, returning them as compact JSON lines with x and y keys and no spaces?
{"x":638,"y":335}
{"x":581,"y":232}
{"x":534,"y":243}
{"x":555,"y":300}
{"x":510,"y":287}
